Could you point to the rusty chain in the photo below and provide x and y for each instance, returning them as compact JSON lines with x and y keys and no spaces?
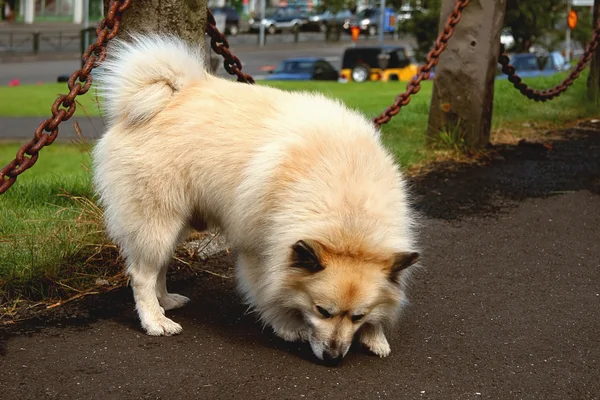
{"x":220,"y":45}
{"x":424,"y":71}
{"x":549,"y":94}
{"x":64,"y":106}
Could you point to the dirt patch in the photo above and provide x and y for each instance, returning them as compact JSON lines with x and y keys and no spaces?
{"x":555,"y":163}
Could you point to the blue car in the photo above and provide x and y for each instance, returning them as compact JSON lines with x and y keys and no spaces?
{"x":530,"y":64}
{"x":304,"y":69}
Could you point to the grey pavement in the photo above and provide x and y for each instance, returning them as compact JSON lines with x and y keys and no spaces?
{"x":506,"y":306}
{"x":32,"y":71}
{"x":22,"y":128}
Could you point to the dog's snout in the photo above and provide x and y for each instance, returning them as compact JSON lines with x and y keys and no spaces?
{"x":332,"y":358}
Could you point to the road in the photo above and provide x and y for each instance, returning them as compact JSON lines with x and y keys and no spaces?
{"x":506,"y":306}
{"x":51,"y":37}
{"x":252,"y":58}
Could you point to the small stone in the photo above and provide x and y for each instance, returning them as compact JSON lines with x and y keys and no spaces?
{"x":208,"y":246}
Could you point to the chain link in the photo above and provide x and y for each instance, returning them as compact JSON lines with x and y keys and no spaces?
{"x":64,"y":106}
{"x":424,"y":71}
{"x":220,"y":45}
{"x":549,"y":94}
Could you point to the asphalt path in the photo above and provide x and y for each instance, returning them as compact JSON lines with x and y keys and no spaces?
{"x":506,"y":306}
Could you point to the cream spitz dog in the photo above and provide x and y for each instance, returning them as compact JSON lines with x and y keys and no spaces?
{"x":307,"y":196}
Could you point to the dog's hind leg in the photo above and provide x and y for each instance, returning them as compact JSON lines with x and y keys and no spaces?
{"x":169,"y":301}
{"x":150,"y":251}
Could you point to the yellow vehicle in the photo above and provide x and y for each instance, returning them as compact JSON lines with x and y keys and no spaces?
{"x":377,"y":63}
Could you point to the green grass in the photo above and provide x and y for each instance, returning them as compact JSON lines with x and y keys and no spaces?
{"x":512,"y":110}
{"x":46,"y":237}
{"x":47,"y":223}
{"x":36,"y":100}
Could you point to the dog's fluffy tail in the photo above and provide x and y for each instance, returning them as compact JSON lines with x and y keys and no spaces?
{"x":140,"y":75}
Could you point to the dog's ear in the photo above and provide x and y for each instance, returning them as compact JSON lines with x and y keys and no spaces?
{"x":304,"y":256}
{"x":402,"y":261}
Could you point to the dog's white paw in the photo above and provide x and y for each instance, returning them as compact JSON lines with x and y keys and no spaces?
{"x":301,"y":335}
{"x":374,"y":339}
{"x":161,"y":326}
{"x":380,"y":348}
{"x":172,"y":301}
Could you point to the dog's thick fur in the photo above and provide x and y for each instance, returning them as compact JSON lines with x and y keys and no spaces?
{"x":300,"y":185}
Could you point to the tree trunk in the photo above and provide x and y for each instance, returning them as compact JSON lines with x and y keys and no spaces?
{"x":594,"y":76}
{"x":183,"y":18}
{"x":463,"y":91}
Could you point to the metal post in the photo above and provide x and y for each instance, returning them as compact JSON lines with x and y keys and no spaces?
{"x":568,"y":36}
{"x":29,"y":11}
{"x":86,"y":22}
{"x":381,"y":22}
{"x":263,"y":6}
{"x":36,"y":42}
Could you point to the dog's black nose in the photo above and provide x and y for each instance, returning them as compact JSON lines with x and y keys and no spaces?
{"x":332,"y":360}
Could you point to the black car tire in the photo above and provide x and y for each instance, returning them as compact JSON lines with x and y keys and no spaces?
{"x":272,"y":29}
{"x":372,"y":30}
{"x":361,"y":73}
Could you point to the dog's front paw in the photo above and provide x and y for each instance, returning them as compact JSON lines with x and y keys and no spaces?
{"x":301,"y":335}
{"x":161,"y":326}
{"x":172,"y":301}
{"x":374,"y":339}
{"x":379,"y":347}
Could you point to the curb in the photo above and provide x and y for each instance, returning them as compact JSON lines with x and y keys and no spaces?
{"x":21,"y":58}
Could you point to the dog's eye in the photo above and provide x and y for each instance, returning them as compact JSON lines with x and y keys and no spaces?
{"x":356,"y":318}
{"x":324,"y":312}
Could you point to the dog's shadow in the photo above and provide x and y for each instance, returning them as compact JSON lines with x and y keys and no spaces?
{"x":216,"y":308}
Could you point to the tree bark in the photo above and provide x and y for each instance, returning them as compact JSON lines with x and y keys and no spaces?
{"x":463,"y":89}
{"x":183,"y":18}
{"x":594,"y":76}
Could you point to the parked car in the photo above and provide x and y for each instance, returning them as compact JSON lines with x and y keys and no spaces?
{"x":304,"y":69}
{"x":318,"y":22}
{"x":232,"y":19}
{"x":368,"y":21}
{"x":366,"y":63}
{"x":531,"y":64}
{"x":279,"y":19}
